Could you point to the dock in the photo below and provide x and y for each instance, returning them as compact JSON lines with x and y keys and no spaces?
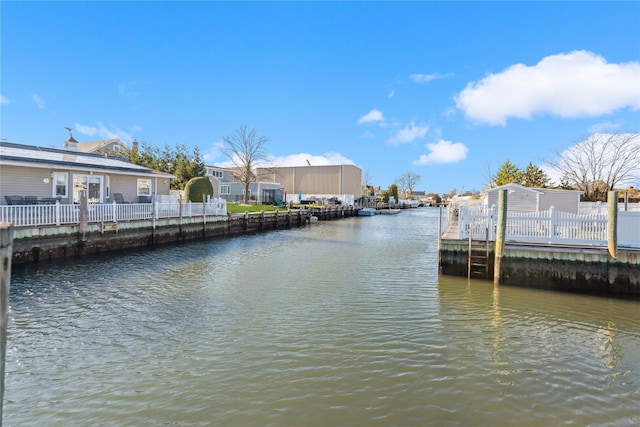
{"x":588,"y":255}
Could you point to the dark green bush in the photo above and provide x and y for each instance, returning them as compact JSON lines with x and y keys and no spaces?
{"x":196,"y":187}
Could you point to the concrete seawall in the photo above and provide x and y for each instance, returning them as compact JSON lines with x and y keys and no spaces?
{"x":44,"y":243}
{"x":582,"y":269}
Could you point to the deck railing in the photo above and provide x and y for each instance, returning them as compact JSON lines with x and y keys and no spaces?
{"x":551,"y":226}
{"x":59,"y":214}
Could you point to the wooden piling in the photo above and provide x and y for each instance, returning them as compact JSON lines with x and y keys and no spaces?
{"x":6,"y":251}
{"x":612,"y":224}
{"x":500,"y":236}
{"x":439,"y":239}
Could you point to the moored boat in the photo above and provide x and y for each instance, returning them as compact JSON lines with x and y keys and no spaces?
{"x":367,"y":212}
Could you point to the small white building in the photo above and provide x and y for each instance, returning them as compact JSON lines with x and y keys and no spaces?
{"x":528,"y":199}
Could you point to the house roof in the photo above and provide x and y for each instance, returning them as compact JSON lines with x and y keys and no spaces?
{"x":90,"y":147}
{"x":532,"y":189}
{"x":12,"y":154}
{"x":512,"y":185}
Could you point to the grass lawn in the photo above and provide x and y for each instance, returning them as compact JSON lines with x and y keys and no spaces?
{"x":235,"y":208}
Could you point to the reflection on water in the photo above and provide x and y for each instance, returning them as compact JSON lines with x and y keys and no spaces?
{"x":340,"y":323}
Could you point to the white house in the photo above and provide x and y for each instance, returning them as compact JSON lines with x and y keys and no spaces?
{"x":44,"y":175}
{"x":527,"y":199}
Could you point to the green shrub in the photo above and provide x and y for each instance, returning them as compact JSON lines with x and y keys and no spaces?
{"x":196,"y":187}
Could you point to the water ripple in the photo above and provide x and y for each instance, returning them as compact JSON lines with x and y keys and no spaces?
{"x":341,"y":323}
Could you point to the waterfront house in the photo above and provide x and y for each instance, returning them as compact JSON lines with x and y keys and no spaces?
{"x":528,"y":199}
{"x":327,"y":183}
{"x":227,"y":187}
{"x":34,"y":175}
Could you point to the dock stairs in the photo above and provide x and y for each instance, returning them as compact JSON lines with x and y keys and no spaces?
{"x":478,"y":263}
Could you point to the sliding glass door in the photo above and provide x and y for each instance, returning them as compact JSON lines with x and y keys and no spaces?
{"x":92,"y":184}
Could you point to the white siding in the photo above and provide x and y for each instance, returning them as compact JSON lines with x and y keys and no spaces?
{"x":518,"y":199}
{"x":561,"y":200}
{"x":23,"y":181}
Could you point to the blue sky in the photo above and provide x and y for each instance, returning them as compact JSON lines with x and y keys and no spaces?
{"x":447,"y":90}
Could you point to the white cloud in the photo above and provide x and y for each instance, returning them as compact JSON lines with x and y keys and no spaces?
{"x":604,"y":127}
{"x":443,"y":152}
{"x":102,"y":131}
{"x":367,"y":135}
{"x":555,"y":176}
{"x":215,"y":153}
{"x":577,"y":84}
{"x":426,"y":78}
{"x":371,"y":117}
{"x":409,"y":133}
{"x":215,"y":157}
{"x":393,"y":92}
{"x":38,"y":101}
{"x":4,"y":100}
{"x":86,"y":130}
{"x":300,"y":159}
{"x":132,"y":88}
{"x":423,"y":78}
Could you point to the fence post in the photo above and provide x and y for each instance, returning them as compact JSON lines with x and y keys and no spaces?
{"x":6,"y":251}
{"x":58,"y":216}
{"x":469,"y":254}
{"x":500,"y":235}
{"x":204,"y":211}
{"x":84,"y":214}
{"x":552,"y":224}
{"x":612,"y":223}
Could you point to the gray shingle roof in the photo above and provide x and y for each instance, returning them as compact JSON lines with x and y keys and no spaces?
{"x":29,"y":155}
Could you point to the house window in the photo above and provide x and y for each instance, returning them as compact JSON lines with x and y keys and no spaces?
{"x":144,"y":187}
{"x":225,"y":189}
{"x":60,"y":184}
{"x":215,"y":173}
{"x":90,"y":184}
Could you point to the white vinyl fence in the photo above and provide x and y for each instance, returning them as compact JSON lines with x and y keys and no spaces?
{"x":58,"y":214}
{"x":549,"y":226}
{"x":601,"y":207}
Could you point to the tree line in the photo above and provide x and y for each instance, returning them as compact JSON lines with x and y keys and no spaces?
{"x":595,"y":166}
{"x":177,"y":161}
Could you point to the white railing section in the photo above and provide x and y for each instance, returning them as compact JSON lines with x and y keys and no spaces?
{"x":601,"y":207}
{"x":550,"y":227}
{"x":58,"y":214}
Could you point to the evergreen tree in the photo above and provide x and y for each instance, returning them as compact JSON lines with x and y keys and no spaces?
{"x":176,"y":161}
{"x":534,"y":176}
{"x":508,"y":173}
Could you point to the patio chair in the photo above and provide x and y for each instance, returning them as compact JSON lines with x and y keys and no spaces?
{"x":30,"y":200}
{"x":118,"y":198}
{"x":13,"y":200}
{"x":144,"y":199}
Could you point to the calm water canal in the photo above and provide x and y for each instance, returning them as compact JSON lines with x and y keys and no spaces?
{"x":343,"y":323}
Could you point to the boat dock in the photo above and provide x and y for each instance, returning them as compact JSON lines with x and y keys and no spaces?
{"x":585,"y":255}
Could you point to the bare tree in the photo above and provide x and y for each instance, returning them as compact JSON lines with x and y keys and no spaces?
{"x":407,"y":181}
{"x":366,"y":181}
{"x":599,"y":163}
{"x":245,"y":149}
